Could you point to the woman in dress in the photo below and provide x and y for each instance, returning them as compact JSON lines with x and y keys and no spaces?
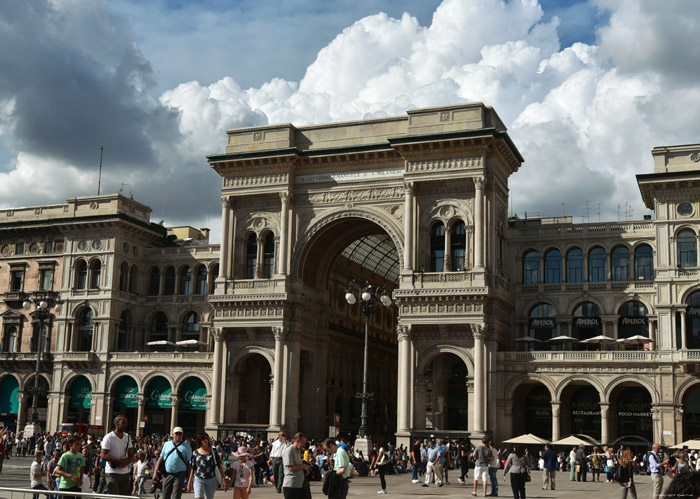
{"x":204,"y":463}
{"x":596,"y":463}
{"x":518,"y":464}
{"x":380,"y":462}
{"x":242,"y":475}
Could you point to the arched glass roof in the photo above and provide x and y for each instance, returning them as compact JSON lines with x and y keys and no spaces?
{"x":377,"y":253}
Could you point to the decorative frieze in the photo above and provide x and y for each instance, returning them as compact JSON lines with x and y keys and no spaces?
{"x":256,"y":180}
{"x":443,"y":165}
{"x":349,"y":196}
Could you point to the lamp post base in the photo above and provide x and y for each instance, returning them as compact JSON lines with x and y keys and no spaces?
{"x":364,"y":444}
{"x":32,"y":429}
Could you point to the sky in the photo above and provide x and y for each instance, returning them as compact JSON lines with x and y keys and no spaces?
{"x":586,"y":89}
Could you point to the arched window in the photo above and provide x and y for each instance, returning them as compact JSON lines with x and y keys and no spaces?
{"x":552,"y":267}
{"x":531,"y":268}
{"x":687,"y":248}
{"x":587,"y":323}
{"x":123,"y":276}
{"x":644,"y":263}
{"x":200,"y":287}
{"x":95,"y":274}
{"x":633,"y":320}
{"x":214,"y":275}
{"x":596,"y":265}
{"x":620,"y":264}
{"x":159,"y":328}
{"x":169,"y":281}
{"x":269,"y":255}
{"x":123,"y":332}
{"x":185,"y":280}
{"x":190,"y":327}
{"x":154,"y":282}
{"x":437,"y":247}
{"x":458,"y":246}
{"x":133,"y":280}
{"x":11,"y":340}
{"x":574,"y":265}
{"x":81,"y":274}
{"x":692,"y":323}
{"x":85,"y":331}
{"x":251,"y":257}
{"x":543,"y":322}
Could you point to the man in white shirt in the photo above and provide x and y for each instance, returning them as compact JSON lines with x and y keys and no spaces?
{"x":36,"y":473}
{"x":118,"y":454}
{"x":276,"y":454}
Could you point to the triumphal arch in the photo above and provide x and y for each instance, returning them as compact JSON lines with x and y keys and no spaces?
{"x":416,"y":204}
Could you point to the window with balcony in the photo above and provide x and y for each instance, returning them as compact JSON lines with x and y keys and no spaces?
{"x":200,"y":286}
{"x":633,"y":320}
{"x":574,"y":265}
{"x":687,"y":248}
{"x":11,"y":340}
{"x":95,"y":274}
{"x":543,"y":322}
{"x":692,"y":323}
{"x":552,"y":267}
{"x":458,"y":246}
{"x":169,"y":281}
{"x":159,"y":329}
{"x":587,"y":323}
{"x":81,"y":274}
{"x":190,"y":327}
{"x":437,"y":247}
{"x":644,"y":263}
{"x":16,"y":280}
{"x":251,"y":257}
{"x":85,"y":331}
{"x":596,"y":265}
{"x":154,"y":282}
{"x":531,"y":268}
{"x":620,"y":264}
{"x":269,"y":255}
{"x":185,"y":280}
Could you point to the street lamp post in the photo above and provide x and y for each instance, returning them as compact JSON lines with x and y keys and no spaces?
{"x":368,"y":305}
{"x":43,"y":301}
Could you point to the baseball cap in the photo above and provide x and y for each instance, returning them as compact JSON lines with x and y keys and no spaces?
{"x":178,"y":429}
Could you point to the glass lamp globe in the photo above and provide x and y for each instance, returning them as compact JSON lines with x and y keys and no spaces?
{"x":385,"y":299}
{"x":350,"y":298}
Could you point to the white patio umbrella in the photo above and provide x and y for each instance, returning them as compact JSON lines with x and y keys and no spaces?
{"x":691,"y":444}
{"x":572,"y":440}
{"x":189,"y":343}
{"x":603,"y":340}
{"x":637,"y":339}
{"x":526,"y":439}
{"x":160,"y":343}
{"x":563,"y":339}
{"x":527,"y":339}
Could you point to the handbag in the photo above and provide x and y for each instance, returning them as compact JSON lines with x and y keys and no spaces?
{"x":528,"y":478}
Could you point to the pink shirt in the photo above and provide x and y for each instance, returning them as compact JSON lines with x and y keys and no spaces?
{"x":243,"y":473}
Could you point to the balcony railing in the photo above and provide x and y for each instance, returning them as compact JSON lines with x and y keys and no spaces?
{"x":575,"y":356}
{"x":578,"y":287}
{"x":165,"y":357}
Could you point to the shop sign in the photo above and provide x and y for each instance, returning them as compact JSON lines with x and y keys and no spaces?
{"x":194,"y":395}
{"x":81,"y":394}
{"x":692,"y":312}
{"x":159,"y":392}
{"x":543,"y":323}
{"x":9,"y":395}
{"x":126,"y":393}
{"x":587,"y":322}
{"x":634,"y":321}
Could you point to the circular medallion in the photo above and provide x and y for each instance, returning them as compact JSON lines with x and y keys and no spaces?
{"x":97,"y":244}
{"x":695,"y":157}
{"x":685,"y":209}
{"x":33,"y":248}
{"x":6,"y":250}
{"x":83,"y":245}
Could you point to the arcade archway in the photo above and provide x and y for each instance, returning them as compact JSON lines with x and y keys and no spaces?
{"x":446,"y":394}
{"x":580,"y":410}
{"x":532,"y":410}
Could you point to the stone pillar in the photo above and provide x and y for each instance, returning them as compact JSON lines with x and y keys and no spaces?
{"x":604,"y":423}
{"x":447,"y":266}
{"x":405,"y":381}
{"x":277,"y":380}
{"x":479,"y":222}
{"x":226,"y":240}
{"x":408,"y":227}
{"x":556,"y":409}
{"x":420,"y":388}
{"x":479,"y":333}
{"x":284,"y":233}
{"x":652,"y":333}
{"x":214,"y":414}
{"x":22,"y":410}
{"x":683,"y":331}
{"x":175,"y":399}
{"x":141,"y":399}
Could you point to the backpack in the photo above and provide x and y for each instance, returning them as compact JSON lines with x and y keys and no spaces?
{"x":620,"y":474}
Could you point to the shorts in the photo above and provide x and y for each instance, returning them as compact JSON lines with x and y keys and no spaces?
{"x":481,"y":472}
{"x":205,"y":487}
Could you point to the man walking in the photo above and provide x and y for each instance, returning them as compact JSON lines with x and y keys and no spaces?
{"x":493,"y":470}
{"x":118,"y":454}
{"x":415,"y":457}
{"x":294,"y":468}
{"x":482,"y":457}
{"x":656,"y":468}
{"x":582,"y":462}
{"x":572,"y":464}
{"x":36,"y":474}
{"x":550,"y":468}
{"x":433,"y":465}
{"x":276,"y":453}
{"x":176,"y":454}
{"x":341,"y":466}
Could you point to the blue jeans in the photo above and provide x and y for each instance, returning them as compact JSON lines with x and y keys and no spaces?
{"x":494,"y":480}
{"x":38,"y":487}
{"x":414,"y":473}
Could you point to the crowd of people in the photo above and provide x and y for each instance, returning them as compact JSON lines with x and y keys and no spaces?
{"x":166,"y":466}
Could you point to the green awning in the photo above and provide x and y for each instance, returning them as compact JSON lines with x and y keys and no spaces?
{"x":81,"y":393}
{"x":193,"y":395}
{"x":9,"y":395}
{"x":125,"y":393}
{"x":158,"y":394}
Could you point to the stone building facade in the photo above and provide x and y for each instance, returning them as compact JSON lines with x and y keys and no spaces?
{"x":416,"y":205}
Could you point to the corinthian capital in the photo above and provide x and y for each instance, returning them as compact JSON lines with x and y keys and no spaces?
{"x":217,"y":333}
{"x":280,"y":332}
{"x":479,"y":182}
{"x":285,"y":196}
{"x":403,"y":332}
{"x":479,"y":331}
{"x":408,"y":187}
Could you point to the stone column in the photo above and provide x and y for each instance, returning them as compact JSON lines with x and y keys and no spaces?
{"x":277,"y":380}
{"x":479,"y":333}
{"x":284,"y":233}
{"x":479,"y":183}
{"x":22,"y":411}
{"x":652,"y":333}
{"x":420,"y":387}
{"x":141,"y":399}
{"x":604,"y":423}
{"x":226,"y":240}
{"x":683,"y":331}
{"x":214,"y":415}
{"x":408,"y":227}
{"x":405,"y":381}
{"x":556,"y":409}
{"x":447,"y":266}
{"x":175,"y":399}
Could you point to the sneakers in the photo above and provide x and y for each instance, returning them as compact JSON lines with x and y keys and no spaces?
{"x":460,"y":481}
{"x":382,"y":492}
{"x":415,"y":481}
{"x":424,"y":485}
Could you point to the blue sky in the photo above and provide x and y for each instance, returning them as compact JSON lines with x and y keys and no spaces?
{"x":587,"y":88}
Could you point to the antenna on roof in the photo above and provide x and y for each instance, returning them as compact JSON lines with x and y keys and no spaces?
{"x":99,"y":178}
{"x":586,"y":211}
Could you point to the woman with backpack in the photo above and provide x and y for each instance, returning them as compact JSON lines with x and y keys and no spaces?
{"x":624,"y":475}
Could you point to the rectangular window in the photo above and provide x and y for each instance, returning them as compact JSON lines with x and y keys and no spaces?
{"x":48,"y":247}
{"x":458,"y":259}
{"x":16,"y":280}
{"x":45,"y":279}
{"x":251,"y":264}
{"x":19,"y":249}
{"x":621,"y":270}
{"x":553,"y":272}
{"x":644,"y":265}
{"x":532,"y":272}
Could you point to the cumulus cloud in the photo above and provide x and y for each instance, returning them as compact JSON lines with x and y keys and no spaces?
{"x":584,"y":116}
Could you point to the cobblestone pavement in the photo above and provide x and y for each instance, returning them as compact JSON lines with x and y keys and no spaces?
{"x":16,"y":474}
